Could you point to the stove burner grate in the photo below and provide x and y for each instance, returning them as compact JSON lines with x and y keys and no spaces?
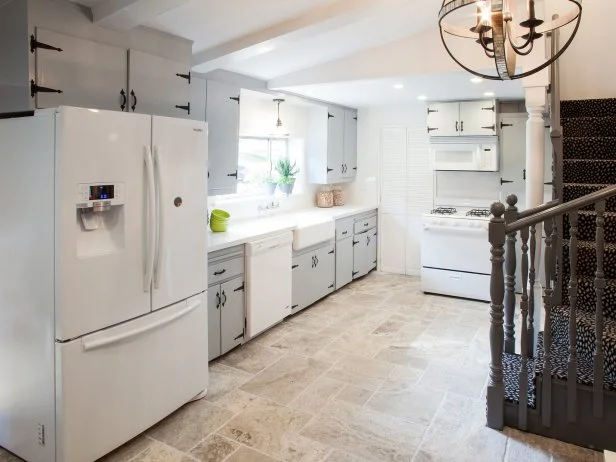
{"x":478,"y":213}
{"x":444,"y":211}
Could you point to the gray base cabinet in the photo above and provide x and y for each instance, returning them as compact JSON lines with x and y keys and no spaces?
{"x":356,"y":247}
{"x":364,"y":253}
{"x":226,"y":302}
{"x":314,"y":273}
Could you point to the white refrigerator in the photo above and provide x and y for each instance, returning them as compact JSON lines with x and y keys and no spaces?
{"x":103,"y":273}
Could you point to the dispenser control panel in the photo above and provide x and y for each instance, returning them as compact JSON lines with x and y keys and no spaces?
{"x":110,"y":194}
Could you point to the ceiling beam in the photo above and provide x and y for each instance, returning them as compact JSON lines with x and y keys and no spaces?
{"x":127,"y":14}
{"x":316,"y":21}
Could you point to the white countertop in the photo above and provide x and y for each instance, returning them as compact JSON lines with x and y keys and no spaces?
{"x":243,"y":231}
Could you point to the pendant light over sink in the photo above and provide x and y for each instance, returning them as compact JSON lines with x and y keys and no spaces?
{"x":279,"y":127}
{"x":502,"y":30}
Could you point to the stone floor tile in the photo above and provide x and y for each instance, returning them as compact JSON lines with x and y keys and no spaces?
{"x":365,"y":433}
{"x":364,"y":299}
{"x":159,"y":452}
{"x":189,"y":425}
{"x":317,"y":395}
{"x":354,"y":395}
{"x":125,"y":452}
{"x":6,"y":456}
{"x":416,"y":404}
{"x":214,"y":448}
{"x":244,"y":454}
{"x":236,"y":401}
{"x":265,"y":426}
{"x":388,"y":327}
{"x":563,"y":452}
{"x":423,"y":456}
{"x":286,"y":379}
{"x":527,"y":447}
{"x":297,"y":448}
{"x":301,"y":343}
{"x":341,"y":456}
{"x":362,"y":372}
{"x":409,"y":375}
{"x":251,"y":358}
{"x":459,"y":428}
{"x":448,"y":377}
{"x":223,"y":380}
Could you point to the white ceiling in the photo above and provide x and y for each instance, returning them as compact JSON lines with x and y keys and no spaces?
{"x":381,"y":92}
{"x":209,"y":23}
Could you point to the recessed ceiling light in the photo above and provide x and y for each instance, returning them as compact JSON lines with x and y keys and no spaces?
{"x":476,"y":80}
{"x":488,"y":93}
{"x":422,"y":97}
{"x":398,"y":86}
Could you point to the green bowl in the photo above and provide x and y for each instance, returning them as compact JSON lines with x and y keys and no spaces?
{"x":218,"y":227}
{"x":220,"y":214}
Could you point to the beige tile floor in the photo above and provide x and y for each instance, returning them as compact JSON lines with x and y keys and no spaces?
{"x":376,"y":372}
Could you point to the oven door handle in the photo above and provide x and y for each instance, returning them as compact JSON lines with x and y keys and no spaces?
{"x":454,"y":228}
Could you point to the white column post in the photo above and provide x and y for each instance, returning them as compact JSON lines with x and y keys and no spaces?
{"x":535,"y":166}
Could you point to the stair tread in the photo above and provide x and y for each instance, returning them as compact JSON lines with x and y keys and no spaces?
{"x":587,"y":297}
{"x":581,"y":108}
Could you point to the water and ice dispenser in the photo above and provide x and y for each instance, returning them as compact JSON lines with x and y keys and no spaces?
{"x":100,"y":218}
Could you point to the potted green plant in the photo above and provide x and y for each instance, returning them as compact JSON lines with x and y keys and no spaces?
{"x":270,"y":184}
{"x":287,"y":171}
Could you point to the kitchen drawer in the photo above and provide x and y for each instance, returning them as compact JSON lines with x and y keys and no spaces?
{"x":344,"y":228}
{"x":365,"y":224}
{"x":224,"y":270}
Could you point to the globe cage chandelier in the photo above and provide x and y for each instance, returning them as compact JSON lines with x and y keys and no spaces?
{"x":500,"y":40}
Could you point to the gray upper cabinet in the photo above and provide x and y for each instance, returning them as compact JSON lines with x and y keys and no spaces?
{"x":158,"y":86}
{"x":213,"y":321}
{"x":198,"y":95}
{"x":223,"y":116}
{"x":331,"y":144}
{"x":78,"y":72}
{"x":350,"y":144}
{"x":232,"y":314}
{"x":466,"y":118}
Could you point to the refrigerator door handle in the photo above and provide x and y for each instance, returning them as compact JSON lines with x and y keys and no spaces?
{"x":103,"y":342}
{"x":160,"y":225}
{"x":151,"y":230}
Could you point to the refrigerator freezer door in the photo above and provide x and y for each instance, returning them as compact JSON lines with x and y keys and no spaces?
{"x":116,"y":383}
{"x":100,"y":269}
{"x":179,"y":147}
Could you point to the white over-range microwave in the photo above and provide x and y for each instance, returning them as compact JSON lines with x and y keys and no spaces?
{"x":470,"y":154}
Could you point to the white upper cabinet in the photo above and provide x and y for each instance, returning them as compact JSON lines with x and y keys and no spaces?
{"x":331,"y":144}
{"x":350,"y":144}
{"x":223,"y":116}
{"x":478,"y":118}
{"x":467,"y":118}
{"x":77,"y":72}
{"x":158,"y":86}
{"x":444,"y":119}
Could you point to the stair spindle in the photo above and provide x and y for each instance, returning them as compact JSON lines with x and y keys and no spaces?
{"x":496,"y":388}
{"x":532,"y":345}
{"x":523,"y":387}
{"x":599,"y":290}
{"x":511,"y":214}
{"x":546,"y":405}
{"x":573,"y":296}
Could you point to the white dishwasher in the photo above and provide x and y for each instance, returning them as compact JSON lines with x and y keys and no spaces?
{"x":269,"y":283}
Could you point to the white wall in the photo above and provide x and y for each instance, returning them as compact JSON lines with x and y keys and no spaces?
{"x":71,"y":19}
{"x":588,"y":66}
{"x":258,"y":114}
{"x":400,"y":225}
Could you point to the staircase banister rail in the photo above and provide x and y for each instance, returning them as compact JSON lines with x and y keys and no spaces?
{"x":540,"y":208}
{"x":561,"y":209}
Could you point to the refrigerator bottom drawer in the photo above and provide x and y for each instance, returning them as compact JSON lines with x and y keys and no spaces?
{"x":116,"y":383}
{"x":456,"y":284}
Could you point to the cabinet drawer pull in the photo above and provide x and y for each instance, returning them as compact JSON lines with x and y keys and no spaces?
{"x":218,"y":273}
{"x":239,"y":336}
{"x":366,"y":224}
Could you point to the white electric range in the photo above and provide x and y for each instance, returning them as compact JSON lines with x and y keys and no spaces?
{"x":455,"y":253}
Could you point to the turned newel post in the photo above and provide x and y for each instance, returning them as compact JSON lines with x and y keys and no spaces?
{"x":496,"y":391}
{"x":511,"y":215}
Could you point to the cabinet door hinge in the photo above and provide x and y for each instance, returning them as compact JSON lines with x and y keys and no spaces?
{"x":431,"y":129}
{"x":502,"y":124}
{"x":235,"y":98}
{"x":331,"y":252}
{"x":354,"y":273}
{"x":492,"y":108}
{"x":239,"y":336}
{"x":294,"y":266}
{"x":34,"y":89}
{"x":294,"y":306}
{"x":355,"y":242}
{"x":35,"y":44}
{"x":330,"y":116}
{"x":354,"y":118}
{"x":184,"y":76}
{"x":490,"y":127}
{"x":330,"y":287}
{"x":329,"y":169}
{"x":432,"y":110}
{"x":240,"y":288}
{"x":233,"y":174}
{"x":184,"y":108}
